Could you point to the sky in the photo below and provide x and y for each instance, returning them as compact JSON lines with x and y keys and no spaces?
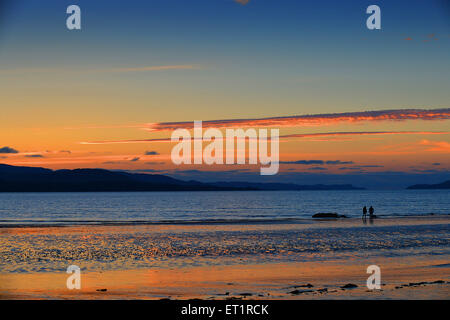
{"x":351,"y":103}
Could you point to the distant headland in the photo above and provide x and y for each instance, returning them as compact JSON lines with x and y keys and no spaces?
{"x":443,"y":185}
{"x":35,"y":179}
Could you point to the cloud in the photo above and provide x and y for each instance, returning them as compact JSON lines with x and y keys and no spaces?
{"x":8,"y":150}
{"x":283,"y":137}
{"x":151,"y":153}
{"x":313,"y":162}
{"x":34,"y":156}
{"x":338,"y":162}
{"x":371,"y":166}
{"x":135,"y":159}
{"x":361,"y":133}
{"x":312,"y":120}
{"x":360,"y":167}
{"x":305,"y":162}
{"x":106,"y":70}
{"x":154,"y":162}
{"x":318,"y":168}
{"x":152,"y":68}
{"x":436,"y":146}
{"x":436,"y":164}
{"x":243,"y":2}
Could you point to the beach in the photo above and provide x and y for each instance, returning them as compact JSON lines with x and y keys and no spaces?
{"x":302,"y":259}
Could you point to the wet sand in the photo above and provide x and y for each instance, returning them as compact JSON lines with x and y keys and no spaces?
{"x":264,"y":281}
{"x":35,"y":261}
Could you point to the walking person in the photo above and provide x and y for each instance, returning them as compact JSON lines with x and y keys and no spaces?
{"x":364,"y":212}
{"x":371,"y":211}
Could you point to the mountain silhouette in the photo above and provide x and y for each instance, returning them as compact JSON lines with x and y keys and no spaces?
{"x":31,"y":179}
{"x":443,"y":185}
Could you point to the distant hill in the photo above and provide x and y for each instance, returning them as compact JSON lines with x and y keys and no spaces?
{"x":23,"y":179}
{"x":30,"y":179}
{"x":443,"y":185}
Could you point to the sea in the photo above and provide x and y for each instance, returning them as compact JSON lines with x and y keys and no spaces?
{"x":46,"y":232}
{"x":73,"y":208}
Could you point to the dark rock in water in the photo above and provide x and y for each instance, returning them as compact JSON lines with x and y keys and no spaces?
{"x":300,"y":291}
{"x":414,"y":284}
{"x":322,"y":290}
{"x":439,"y":281}
{"x":309,"y":285}
{"x":245,"y":294}
{"x":102,"y":290}
{"x":328,"y":215}
{"x":349,"y":286}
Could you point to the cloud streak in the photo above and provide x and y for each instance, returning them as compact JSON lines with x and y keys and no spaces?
{"x":151,"y":153}
{"x":106,"y":70}
{"x":436,"y":146}
{"x":34,"y":156}
{"x":313,"y":162}
{"x":312,"y":120}
{"x":8,"y":150}
{"x":283,"y":137}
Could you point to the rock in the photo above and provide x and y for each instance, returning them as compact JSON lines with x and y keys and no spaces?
{"x":245,"y":294}
{"x":308,"y":285}
{"x":300,"y":291}
{"x":414,"y":284}
{"x":439,"y":281}
{"x":328,"y":215}
{"x":349,"y":286}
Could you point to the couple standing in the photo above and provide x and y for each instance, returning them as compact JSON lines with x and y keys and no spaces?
{"x":371,"y":211}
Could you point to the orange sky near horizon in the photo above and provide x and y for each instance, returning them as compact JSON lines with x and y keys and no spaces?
{"x":65,"y":147}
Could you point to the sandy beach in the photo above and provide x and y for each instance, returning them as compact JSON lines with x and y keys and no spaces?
{"x":223,"y":261}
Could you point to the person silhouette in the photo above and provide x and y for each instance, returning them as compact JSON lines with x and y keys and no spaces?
{"x":371,"y":211}
{"x":364,"y":212}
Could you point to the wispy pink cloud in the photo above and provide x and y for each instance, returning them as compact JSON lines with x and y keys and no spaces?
{"x":312,"y":120}
{"x":282,"y":137}
{"x":436,"y":146}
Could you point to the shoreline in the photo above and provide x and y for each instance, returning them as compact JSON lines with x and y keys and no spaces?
{"x":244,"y":221}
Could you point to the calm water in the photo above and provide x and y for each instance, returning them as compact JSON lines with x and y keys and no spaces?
{"x":73,"y":208}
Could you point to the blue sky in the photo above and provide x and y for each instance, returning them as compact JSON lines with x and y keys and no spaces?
{"x":266,"y":58}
